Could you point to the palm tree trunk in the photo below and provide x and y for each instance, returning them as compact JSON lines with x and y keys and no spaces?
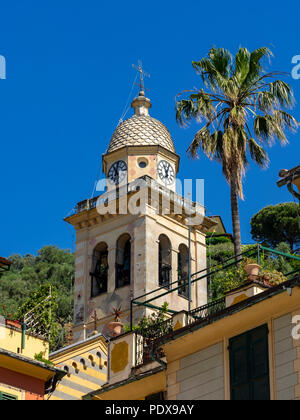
{"x":235,"y":217}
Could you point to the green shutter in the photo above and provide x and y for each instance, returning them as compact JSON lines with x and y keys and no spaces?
{"x":249,"y":366}
{"x":7,"y":397}
{"x":156,"y":397}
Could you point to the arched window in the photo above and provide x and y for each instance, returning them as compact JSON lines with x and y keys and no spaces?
{"x":164,"y":262}
{"x":75,"y":367}
{"x":66,"y":369}
{"x":91,"y":359}
{"x":99,"y":273}
{"x":183,"y":270}
{"x":123,"y":261}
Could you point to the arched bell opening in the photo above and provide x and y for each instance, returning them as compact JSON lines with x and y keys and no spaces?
{"x":123,"y":261}
{"x":99,"y":273}
{"x":183,"y":270}
{"x":164,"y":262}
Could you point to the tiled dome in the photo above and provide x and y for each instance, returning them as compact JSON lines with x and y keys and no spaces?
{"x":141,"y":129}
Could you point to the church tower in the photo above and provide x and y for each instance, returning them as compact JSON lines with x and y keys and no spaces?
{"x":123,"y":255}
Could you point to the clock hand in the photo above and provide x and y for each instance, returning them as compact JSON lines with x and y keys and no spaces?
{"x":166,"y":170}
{"x":117,"y":175}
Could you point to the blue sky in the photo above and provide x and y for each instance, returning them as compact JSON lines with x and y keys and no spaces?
{"x":69,"y":73}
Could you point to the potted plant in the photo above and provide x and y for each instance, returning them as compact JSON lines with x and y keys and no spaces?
{"x":13,"y":323}
{"x":116,"y":326}
{"x":252,"y":269}
{"x":272,"y":277}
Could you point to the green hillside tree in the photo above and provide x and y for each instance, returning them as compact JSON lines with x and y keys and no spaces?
{"x":275,"y":224}
{"x":29,"y":279}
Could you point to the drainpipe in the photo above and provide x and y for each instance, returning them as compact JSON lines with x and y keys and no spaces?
{"x":23,"y":336}
{"x":156,"y":359}
{"x":108,"y":358}
{"x":190,"y":256}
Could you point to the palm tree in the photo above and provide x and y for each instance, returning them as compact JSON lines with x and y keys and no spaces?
{"x":244,"y":109}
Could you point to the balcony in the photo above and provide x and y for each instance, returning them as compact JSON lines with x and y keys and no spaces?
{"x":143,"y":182}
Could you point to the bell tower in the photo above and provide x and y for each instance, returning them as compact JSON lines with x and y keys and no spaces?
{"x":123,"y":255}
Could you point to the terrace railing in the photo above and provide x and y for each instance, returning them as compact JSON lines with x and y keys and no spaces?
{"x":146,"y":351}
{"x":207,"y":311}
{"x":144,"y":181}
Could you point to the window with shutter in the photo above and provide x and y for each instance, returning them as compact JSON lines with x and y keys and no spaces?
{"x":249,"y":365}
{"x":7,"y":397}
{"x":160,"y":396}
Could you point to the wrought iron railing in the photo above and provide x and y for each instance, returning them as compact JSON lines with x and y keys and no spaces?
{"x":158,"y":329}
{"x":182,"y":203}
{"x":99,"y":283}
{"x":183,"y":283}
{"x":86,"y":205}
{"x":122,"y":275}
{"x":207,"y":311}
{"x":139,"y":350}
{"x":258,"y":253}
{"x":165,"y":275}
{"x":146,"y":350}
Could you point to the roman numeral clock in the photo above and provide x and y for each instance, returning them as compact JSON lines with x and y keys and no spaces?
{"x":117,"y":172}
{"x":166,"y":172}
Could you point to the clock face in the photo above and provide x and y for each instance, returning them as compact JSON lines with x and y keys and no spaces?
{"x":166,"y":172}
{"x":117,"y":172}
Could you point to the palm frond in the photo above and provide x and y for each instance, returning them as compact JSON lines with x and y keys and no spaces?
{"x":202,"y":140}
{"x":242,"y":65}
{"x":257,"y":153}
{"x":282,"y":93}
{"x":255,"y":66}
{"x":214,"y":70}
{"x":198,"y":106}
{"x":185,"y":110}
{"x":271,"y":126}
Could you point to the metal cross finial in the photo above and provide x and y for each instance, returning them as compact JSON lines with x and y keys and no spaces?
{"x":143,"y":74}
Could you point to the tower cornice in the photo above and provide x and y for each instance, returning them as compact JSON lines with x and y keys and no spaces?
{"x":139,"y":150}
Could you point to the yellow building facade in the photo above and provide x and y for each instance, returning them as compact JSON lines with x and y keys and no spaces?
{"x":85,"y":365}
{"x":23,"y":376}
{"x":250,"y":350}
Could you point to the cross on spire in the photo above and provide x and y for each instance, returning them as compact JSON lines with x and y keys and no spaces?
{"x":143,"y":74}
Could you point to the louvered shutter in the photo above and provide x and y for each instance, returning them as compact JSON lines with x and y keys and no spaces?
{"x":249,"y":365}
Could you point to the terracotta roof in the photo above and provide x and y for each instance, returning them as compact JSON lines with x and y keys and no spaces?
{"x":4,"y":264}
{"x":4,"y":261}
